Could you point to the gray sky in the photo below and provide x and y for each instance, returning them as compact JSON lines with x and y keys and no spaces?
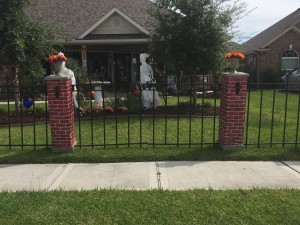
{"x":265,"y":13}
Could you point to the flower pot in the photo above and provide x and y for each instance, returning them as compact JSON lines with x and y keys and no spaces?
{"x":234,"y":65}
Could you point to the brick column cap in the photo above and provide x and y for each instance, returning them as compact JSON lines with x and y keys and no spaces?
{"x":237,"y":74}
{"x":55,"y":77}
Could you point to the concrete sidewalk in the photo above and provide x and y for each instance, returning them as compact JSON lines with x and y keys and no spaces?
{"x":151,"y":175}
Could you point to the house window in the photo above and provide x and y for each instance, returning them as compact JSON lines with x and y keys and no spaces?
{"x":289,"y":60}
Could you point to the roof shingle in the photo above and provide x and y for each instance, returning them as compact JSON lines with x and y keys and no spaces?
{"x":77,"y":16}
{"x":266,"y":36}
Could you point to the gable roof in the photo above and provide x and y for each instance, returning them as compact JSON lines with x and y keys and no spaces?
{"x":271,"y":34}
{"x":78,"y":17}
{"x":107,"y":15}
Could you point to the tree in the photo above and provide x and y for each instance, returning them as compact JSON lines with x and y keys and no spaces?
{"x":24,"y":43}
{"x":191,"y":34}
{"x":78,"y":70}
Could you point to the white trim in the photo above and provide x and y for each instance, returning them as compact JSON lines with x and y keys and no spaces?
{"x":283,"y":33}
{"x":106,"y":16}
{"x":296,"y":29}
{"x":107,"y":41}
{"x":290,"y":50}
{"x":297,"y":21}
{"x":249,"y":52}
{"x":262,"y":50}
{"x":257,"y":51}
{"x":289,"y":57}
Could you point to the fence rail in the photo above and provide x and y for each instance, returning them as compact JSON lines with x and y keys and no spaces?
{"x":272,"y":116}
{"x":184,"y":117}
{"x":24,"y":118}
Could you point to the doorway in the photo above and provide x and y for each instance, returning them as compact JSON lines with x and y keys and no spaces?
{"x":122,"y":70}
{"x":98,"y":66}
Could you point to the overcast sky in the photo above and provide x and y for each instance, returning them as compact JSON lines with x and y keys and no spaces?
{"x":265,"y":13}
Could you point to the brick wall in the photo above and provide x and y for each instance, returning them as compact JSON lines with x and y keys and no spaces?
{"x":61,"y":111}
{"x":232,"y":111}
{"x":272,"y":58}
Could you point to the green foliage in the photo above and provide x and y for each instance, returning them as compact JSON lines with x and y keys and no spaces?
{"x":206,"y":104}
{"x":184,"y":104}
{"x":79,"y":71}
{"x":39,"y":109}
{"x":191,"y":34}
{"x":24,"y":43}
{"x":2,"y":111}
{"x":134,"y":103}
{"x":168,"y":207}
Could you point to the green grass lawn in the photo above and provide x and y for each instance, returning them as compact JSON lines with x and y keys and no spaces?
{"x":187,"y":138}
{"x":147,"y":153}
{"x":278,"y":122}
{"x":148,"y":130}
{"x":257,"y":206}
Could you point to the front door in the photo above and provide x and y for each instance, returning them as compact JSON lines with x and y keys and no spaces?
{"x":122,"y":70}
{"x":98,"y":66}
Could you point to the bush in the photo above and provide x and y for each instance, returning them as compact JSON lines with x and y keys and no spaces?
{"x":80,"y":73}
{"x":206,"y":105}
{"x":2,"y":111}
{"x":134,"y":103}
{"x":39,"y":109}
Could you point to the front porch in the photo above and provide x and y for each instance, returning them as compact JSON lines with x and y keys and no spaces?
{"x":118,"y":64}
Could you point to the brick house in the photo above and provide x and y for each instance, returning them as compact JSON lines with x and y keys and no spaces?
{"x":107,"y":36}
{"x":275,"y":50}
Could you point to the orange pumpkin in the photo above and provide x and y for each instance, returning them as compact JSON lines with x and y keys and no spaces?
{"x":90,"y":93}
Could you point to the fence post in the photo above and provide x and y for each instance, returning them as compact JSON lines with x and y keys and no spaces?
{"x":232,"y":110}
{"x":61,"y":111}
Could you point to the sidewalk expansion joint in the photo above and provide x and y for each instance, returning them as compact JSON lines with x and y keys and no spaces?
{"x":158,"y":173}
{"x":290,"y":167}
{"x":57,"y":177}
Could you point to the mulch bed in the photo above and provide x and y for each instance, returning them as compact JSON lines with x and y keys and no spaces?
{"x":159,"y":111}
{"x":183,"y":111}
{"x":24,"y":119}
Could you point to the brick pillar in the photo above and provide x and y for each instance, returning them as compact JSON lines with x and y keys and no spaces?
{"x":61,"y":111}
{"x":232,"y":110}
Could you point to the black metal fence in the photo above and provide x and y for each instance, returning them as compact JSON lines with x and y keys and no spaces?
{"x":184,"y":117}
{"x":23,"y":116}
{"x":272,"y":116}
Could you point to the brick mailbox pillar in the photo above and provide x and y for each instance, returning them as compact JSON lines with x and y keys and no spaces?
{"x":61,"y":111}
{"x":232,"y":110}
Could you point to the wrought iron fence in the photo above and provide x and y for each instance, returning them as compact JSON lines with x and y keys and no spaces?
{"x":23,"y":116}
{"x":188,"y":115}
{"x":122,"y":118}
{"x":272,"y":115}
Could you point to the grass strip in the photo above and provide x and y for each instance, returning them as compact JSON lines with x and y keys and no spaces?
{"x":137,"y":154}
{"x":255,"y":206}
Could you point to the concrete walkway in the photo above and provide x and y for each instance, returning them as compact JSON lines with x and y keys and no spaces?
{"x":150,"y":175}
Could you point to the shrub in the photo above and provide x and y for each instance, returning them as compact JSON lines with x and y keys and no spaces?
{"x":2,"y":111}
{"x":134,"y":103}
{"x":206,"y":105}
{"x":39,"y":109}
